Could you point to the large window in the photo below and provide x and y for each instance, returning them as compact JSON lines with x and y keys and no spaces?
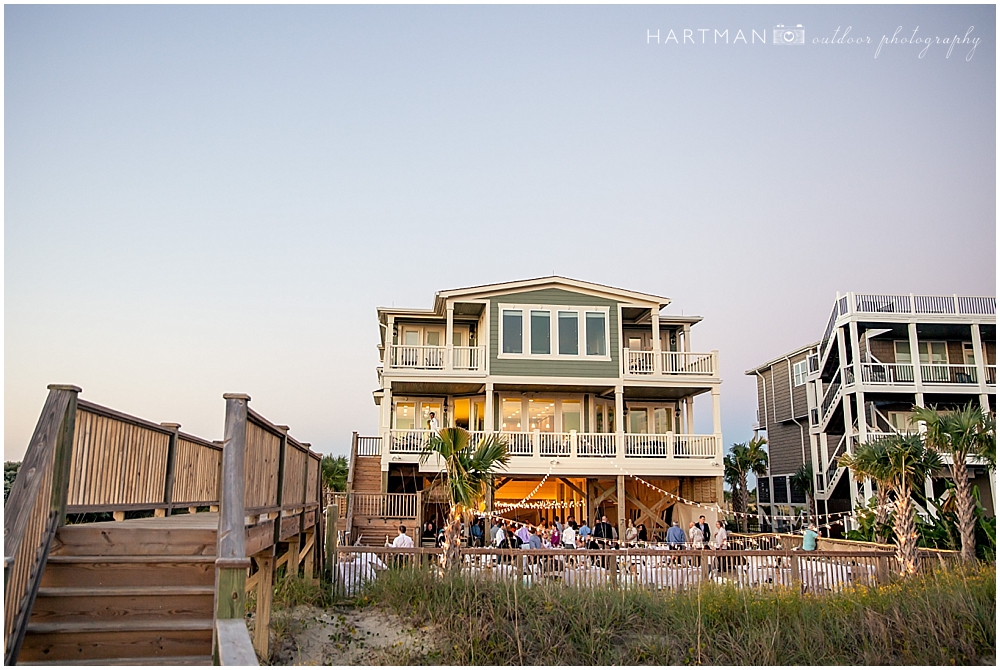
{"x":596,"y":334}
{"x":510,"y":418}
{"x":513,"y":337}
{"x":542,"y":415}
{"x":554,"y":332}
{"x":541,"y":332}
{"x":569,"y":333}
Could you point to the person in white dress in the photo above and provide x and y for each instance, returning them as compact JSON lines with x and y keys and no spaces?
{"x":696,"y":540}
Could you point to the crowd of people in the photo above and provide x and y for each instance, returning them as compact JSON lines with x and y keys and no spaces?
{"x":569,"y":534}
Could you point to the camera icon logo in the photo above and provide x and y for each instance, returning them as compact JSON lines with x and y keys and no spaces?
{"x":783,"y":35}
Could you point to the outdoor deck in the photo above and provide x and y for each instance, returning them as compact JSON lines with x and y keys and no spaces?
{"x":169,"y":586}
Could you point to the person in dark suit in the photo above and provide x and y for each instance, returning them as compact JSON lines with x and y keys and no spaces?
{"x":703,"y":526}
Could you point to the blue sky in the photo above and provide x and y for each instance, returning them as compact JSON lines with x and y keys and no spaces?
{"x":201,"y":200}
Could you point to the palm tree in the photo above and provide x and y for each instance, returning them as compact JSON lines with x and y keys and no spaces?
{"x":909,"y":463}
{"x":870,"y":460}
{"x":334,"y":469}
{"x":803,"y":479}
{"x":745,"y":458}
{"x":960,"y":434}
{"x":469,"y":469}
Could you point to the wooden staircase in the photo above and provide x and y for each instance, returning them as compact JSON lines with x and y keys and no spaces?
{"x":367,"y":475}
{"x":129,"y":593}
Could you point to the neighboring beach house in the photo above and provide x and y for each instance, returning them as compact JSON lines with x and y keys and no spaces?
{"x":879,"y":356}
{"x":585,"y":382}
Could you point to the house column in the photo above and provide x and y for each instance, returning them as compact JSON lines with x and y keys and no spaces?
{"x":449,"y":337}
{"x":657,"y":358}
{"x":620,"y":421}
{"x":918,"y":378}
{"x":488,"y":422}
{"x":716,"y":413}
{"x":687,"y":337}
{"x":689,"y":416}
{"x":859,"y":396}
{"x":977,"y":351}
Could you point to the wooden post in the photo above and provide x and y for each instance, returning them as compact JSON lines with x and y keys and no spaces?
{"x":620,"y":494}
{"x":265,"y":589}
{"x":292,"y":566}
{"x":332,"y":520}
{"x":613,"y":565}
{"x":168,"y":482}
{"x":231,"y":562}
{"x":420,"y":519}
{"x":796,"y":575}
{"x":282,"y":449}
{"x":706,"y":565}
{"x":309,"y":564}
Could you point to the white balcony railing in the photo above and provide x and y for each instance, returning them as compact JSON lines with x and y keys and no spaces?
{"x":670,"y":444}
{"x":427,"y":358}
{"x":948,"y":374}
{"x":595,"y":445}
{"x":886,"y":373}
{"x":573,"y":444}
{"x":702,"y":364}
{"x":407,"y":441}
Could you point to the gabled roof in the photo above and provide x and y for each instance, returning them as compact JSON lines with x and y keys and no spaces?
{"x":553,"y":281}
{"x":794,"y":352}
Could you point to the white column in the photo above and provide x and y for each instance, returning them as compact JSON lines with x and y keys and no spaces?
{"x":859,"y":396}
{"x":657,"y":358}
{"x":687,"y":337}
{"x":716,"y":414}
{"x":385,"y":423}
{"x":389,"y":341}
{"x":620,"y":421}
{"x":689,"y":418}
{"x":449,"y":337}
{"x":977,"y":351}
{"x":488,"y":419}
{"x":918,"y":378}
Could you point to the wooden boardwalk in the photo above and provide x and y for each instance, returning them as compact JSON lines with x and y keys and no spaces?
{"x":167,"y":586}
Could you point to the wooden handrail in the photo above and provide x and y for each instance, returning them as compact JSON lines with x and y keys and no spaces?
{"x":34,"y":510}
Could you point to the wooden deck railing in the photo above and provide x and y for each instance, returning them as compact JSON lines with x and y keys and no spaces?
{"x":87,"y":458}
{"x":34,"y":510}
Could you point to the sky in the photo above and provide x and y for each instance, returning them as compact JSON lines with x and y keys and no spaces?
{"x":201,"y":200}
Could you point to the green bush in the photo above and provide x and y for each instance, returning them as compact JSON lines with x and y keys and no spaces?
{"x":942,"y":618}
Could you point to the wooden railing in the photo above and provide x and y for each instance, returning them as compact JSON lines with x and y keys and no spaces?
{"x":638,"y":362}
{"x":369,"y":446}
{"x":387,"y":505}
{"x":34,"y":510}
{"x":652,"y":567}
{"x":274,"y":479}
{"x":87,"y":458}
{"x":123,"y":463}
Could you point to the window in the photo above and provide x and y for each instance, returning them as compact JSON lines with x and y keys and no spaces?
{"x":799,"y":372}
{"x":903,"y":352}
{"x":968,"y":353}
{"x":426,"y":410}
{"x":513,"y":339}
{"x":510,"y":418}
{"x":433,"y":338}
{"x":542,"y":415}
{"x":931,"y":353}
{"x":570,"y":416}
{"x":661,"y":420}
{"x":541,"y":332}
{"x":638,"y":421}
{"x":406,"y":412}
{"x":554,"y":332}
{"x":569,"y":333}
{"x":596,"y":334}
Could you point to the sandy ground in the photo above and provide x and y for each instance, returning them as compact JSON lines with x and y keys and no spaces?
{"x":309,"y":635}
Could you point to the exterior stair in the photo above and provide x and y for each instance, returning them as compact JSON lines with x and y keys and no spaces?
{"x":125,"y":593}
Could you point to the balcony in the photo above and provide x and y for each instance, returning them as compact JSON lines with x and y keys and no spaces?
{"x":901,"y":374}
{"x":579,"y":445}
{"x":670,"y":364}
{"x":432,"y":360}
